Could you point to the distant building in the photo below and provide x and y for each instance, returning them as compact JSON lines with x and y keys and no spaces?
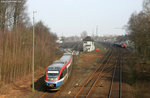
{"x":59,"y":40}
{"x":88,"y":44}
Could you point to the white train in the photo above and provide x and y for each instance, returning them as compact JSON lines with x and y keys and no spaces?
{"x":57,"y":73}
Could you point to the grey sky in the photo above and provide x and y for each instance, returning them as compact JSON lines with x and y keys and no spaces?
{"x":71,"y":17}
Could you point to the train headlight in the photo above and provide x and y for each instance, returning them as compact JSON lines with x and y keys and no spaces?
{"x":52,"y":79}
{"x":49,"y":79}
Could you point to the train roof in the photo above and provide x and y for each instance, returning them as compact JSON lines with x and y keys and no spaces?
{"x":62,"y":61}
{"x":56,"y":65}
{"x":58,"y":62}
{"x":66,"y":57}
{"x":67,"y":53}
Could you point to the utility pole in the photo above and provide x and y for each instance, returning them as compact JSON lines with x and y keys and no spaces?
{"x":33,"y":54}
{"x":93,"y":34}
{"x":96,"y":32}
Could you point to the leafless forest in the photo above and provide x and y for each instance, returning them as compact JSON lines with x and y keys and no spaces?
{"x":139,"y":30}
{"x":16,"y":42}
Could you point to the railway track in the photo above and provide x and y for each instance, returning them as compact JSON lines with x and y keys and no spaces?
{"x":106,"y":65}
{"x":88,"y":87}
{"x":115,"y":90}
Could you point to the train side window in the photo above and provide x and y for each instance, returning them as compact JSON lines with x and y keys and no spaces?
{"x":61,"y":76}
{"x":64,"y":72}
{"x":69,"y":69}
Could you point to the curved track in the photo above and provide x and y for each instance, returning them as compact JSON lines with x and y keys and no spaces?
{"x":115,"y":89}
{"x":89,"y":86}
{"x":110,"y":64}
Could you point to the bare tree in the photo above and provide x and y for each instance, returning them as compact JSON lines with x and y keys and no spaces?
{"x":3,"y":7}
{"x":83,"y":34}
{"x":146,"y":6}
{"x":139,"y":32}
{"x":13,"y":13}
{"x":20,"y":17}
{"x":16,"y":43}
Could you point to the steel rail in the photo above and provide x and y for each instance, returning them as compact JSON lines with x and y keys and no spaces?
{"x":94,"y":74}
{"x":91,"y":77}
{"x":118,"y":63}
{"x":110,"y":90}
{"x":100,"y":76}
{"x":120,"y":82}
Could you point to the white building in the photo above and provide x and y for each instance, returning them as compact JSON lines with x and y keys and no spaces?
{"x":59,"y":40}
{"x":88,"y":44}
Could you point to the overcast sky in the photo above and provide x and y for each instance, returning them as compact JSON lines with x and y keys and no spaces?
{"x":71,"y":17}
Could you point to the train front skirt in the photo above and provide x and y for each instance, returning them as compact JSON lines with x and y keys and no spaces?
{"x":56,"y":84}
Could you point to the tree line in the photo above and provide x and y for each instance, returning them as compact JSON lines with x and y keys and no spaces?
{"x":16,"y":42}
{"x":139,"y":30}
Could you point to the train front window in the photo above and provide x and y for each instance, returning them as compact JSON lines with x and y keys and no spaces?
{"x":52,"y":73}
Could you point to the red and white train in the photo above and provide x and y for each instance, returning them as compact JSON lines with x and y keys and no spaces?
{"x":122,"y":45}
{"x":57,"y":73}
